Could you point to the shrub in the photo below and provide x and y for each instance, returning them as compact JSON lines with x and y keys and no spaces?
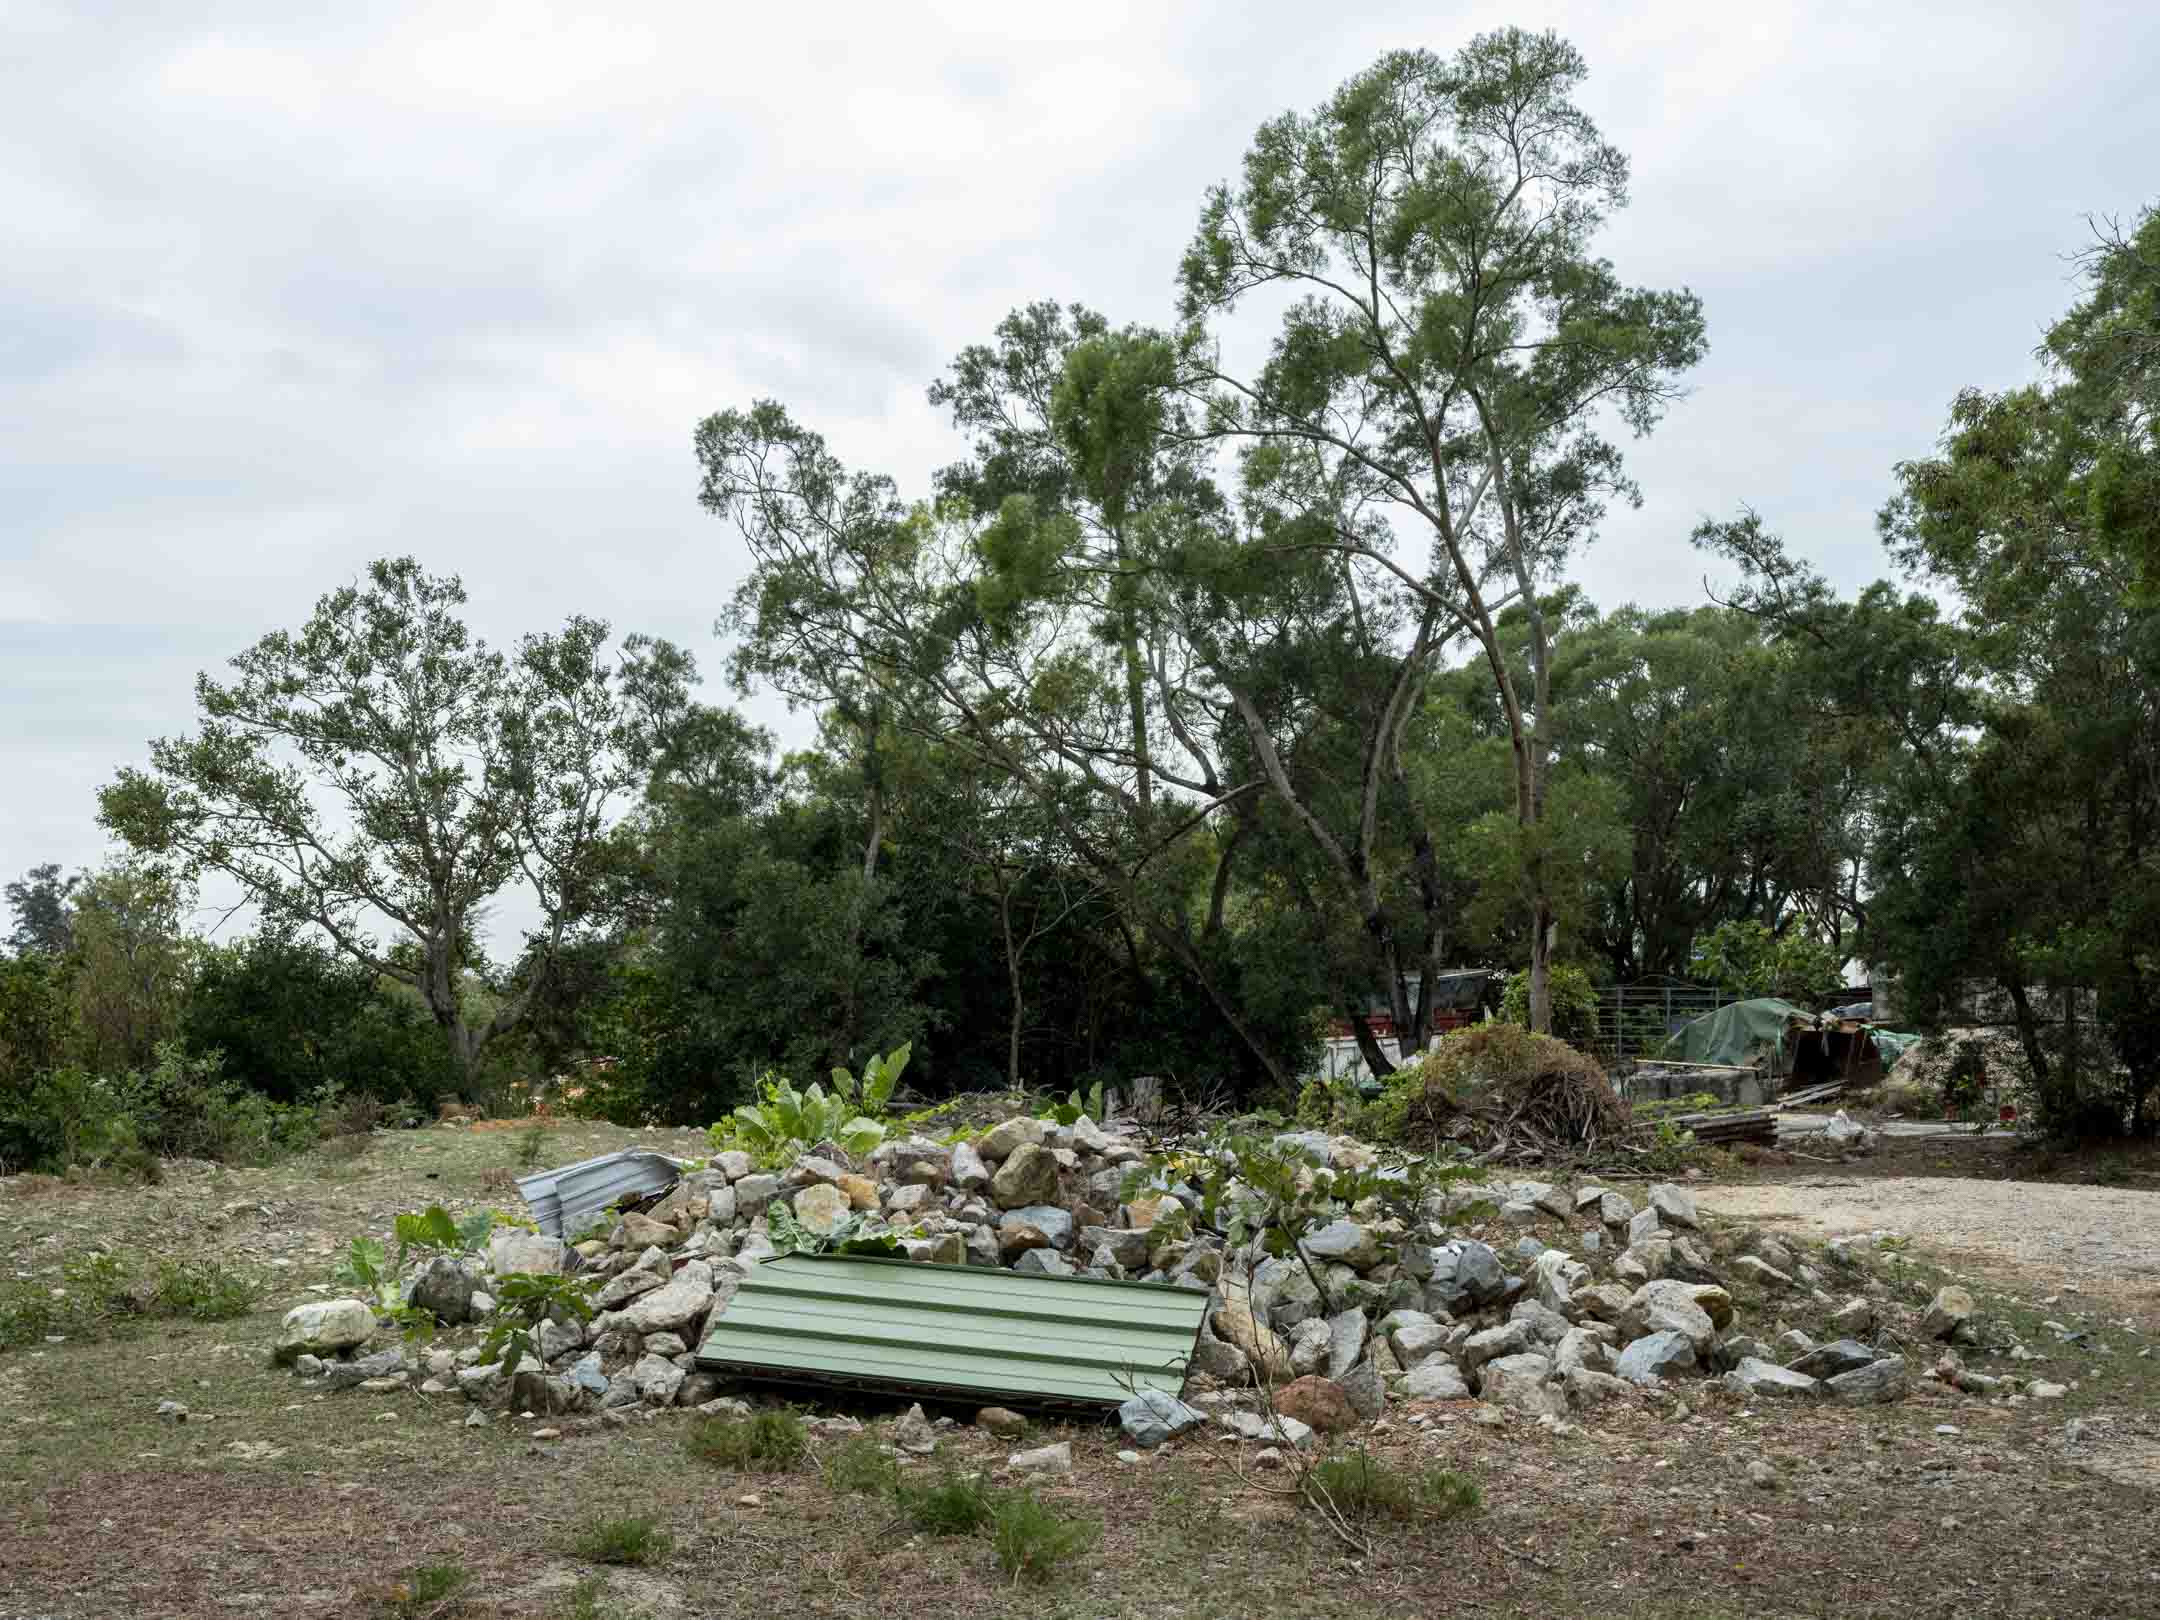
{"x":952,"y":1507}
{"x":1359,"y":1485}
{"x":1033,"y":1539}
{"x":772,"y":1441}
{"x":430,"y":1592}
{"x":1574,"y":1003}
{"x":1500,"y":1075}
{"x":635,"y":1540}
{"x":863,"y":1467}
{"x":204,"y":1290}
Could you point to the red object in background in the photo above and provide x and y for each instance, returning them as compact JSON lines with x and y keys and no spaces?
{"x":2008,"y":1113}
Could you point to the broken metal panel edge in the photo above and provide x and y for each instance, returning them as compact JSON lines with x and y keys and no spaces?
{"x":561,"y":1196}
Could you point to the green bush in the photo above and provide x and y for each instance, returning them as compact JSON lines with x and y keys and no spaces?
{"x":1359,"y":1485}
{"x":953,"y":1506}
{"x":204,"y":1290}
{"x":1032,"y":1539}
{"x":430,"y":1592}
{"x":859,"y":1465}
{"x":98,"y":1297}
{"x":1574,"y":1004}
{"x":636,"y":1540}
{"x":772,"y":1441}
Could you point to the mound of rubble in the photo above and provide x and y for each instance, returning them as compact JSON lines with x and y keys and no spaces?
{"x":1568,"y":1297}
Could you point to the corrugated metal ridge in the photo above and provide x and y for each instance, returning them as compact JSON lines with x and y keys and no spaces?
{"x":562,"y":1196}
{"x":905,"y":1325}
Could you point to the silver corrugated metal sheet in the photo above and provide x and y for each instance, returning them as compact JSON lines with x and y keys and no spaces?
{"x":959,"y":1330}
{"x":562,"y":1200}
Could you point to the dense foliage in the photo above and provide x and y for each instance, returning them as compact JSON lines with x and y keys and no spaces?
{"x":1195,"y":707}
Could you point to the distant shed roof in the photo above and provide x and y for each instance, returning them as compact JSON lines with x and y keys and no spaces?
{"x":974,"y":1331}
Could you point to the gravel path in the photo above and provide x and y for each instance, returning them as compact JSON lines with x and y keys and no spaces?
{"x":2104,"y":1236}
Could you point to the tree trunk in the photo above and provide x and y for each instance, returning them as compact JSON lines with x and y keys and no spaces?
{"x":1012,"y":975}
{"x":1368,"y":1045}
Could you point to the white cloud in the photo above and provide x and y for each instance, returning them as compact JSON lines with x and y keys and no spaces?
{"x":286,"y":290}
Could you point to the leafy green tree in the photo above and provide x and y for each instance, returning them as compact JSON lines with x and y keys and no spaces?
{"x":1744,"y":957}
{"x":131,"y":964}
{"x":382,"y":768}
{"x":42,"y":902}
{"x":1451,"y":348}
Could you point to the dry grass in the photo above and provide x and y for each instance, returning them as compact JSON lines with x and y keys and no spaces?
{"x":273,"y":1500}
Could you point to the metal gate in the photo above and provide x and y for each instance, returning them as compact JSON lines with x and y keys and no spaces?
{"x":1635,"y":1020}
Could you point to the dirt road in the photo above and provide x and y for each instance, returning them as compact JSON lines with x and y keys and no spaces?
{"x":2105,"y":1237}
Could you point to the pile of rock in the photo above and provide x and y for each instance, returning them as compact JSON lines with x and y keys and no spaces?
{"x":1622,"y":1299}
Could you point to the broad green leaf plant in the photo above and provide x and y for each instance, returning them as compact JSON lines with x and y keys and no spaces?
{"x":787,"y":1122}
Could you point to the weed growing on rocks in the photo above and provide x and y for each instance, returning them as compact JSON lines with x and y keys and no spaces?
{"x":1032,"y":1538}
{"x":637,"y":1540}
{"x":772,"y":1442}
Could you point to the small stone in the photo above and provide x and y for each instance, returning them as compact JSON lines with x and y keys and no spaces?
{"x":2041,"y":1390}
{"x":1055,"y":1459}
{"x":1760,"y":1271}
{"x":1763,"y":1378}
{"x":476,"y":1419}
{"x":1152,"y":1417}
{"x":1363,"y":1388}
{"x":1655,"y":1356}
{"x":1354,"y":1245}
{"x":1829,"y":1360}
{"x":861,"y":1191}
{"x":912,"y":1432}
{"x":1948,"y":1311}
{"x":1001,"y":1421}
{"x":1128,"y":1456}
{"x":1435,"y":1379}
{"x":173,"y":1411}
{"x":821,"y":1207}
{"x":1761,"y":1475}
{"x":1001,"y":1140}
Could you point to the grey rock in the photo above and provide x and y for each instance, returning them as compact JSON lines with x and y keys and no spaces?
{"x":346,"y":1374}
{"x":1435,"y":1379}
{"x":1878,"y":1383}
{"x":915,"y":1197}
{"x":1579,"y":1348}
{"x":1252,"y":1426}
{"x":1055,"y":1459}
{"x":1655,"y":1356}
{"x":734,"y":1164}
{"x":1761,"y":1272}
{"x":1547,"y":1326}
{"x":656,"y":1379}
{"x":1756,"y":1377}
{"x":1347,"y":1332}
{"x":1555,"y":1277}
{"x":1527,"y":1249}
{"x":1855,"y":1316}
{"x":1644,"y":1223}
{"x":1044,"y":1263}
{"x":754,"y":1192}
{"x":1089,"y":1137}
{"x":1348,"y":1242}
{"x":323,"y":1328}
{"x":511,"y":1249}
{"x":1687,"y":1262}
{"x":621,"y":1290}
{"x":1587,"y":1387}
{"x":1309,"y":1342}
{"x":810,"y":1168}
{"x":1365,"y":1389}
{"x":585,"y":1374}
{"x":1669,"y":1307}
{"x":969,"y":1172}
{"x":1127,"y":1247}
{"x":1674,"y":1206}
{"x":920,"y":1164}
{"x":1523,"y":1383}
{"x":444,"y":1288}
{"x":822,"y":1207}
{"x":1518,"y":1212}
{"x":1512,"y":1339}
{"x":1949,"y":1310}
{"x":1831,"y":1360}
{"x":912,"y":1432}
{"x":1152,"y":1417}
{"x":1415,"y":1341}
{"x":1645,"y":1260}
{"x":1057,"y":1225}
{"x":1613,"y":1209}
{"x":1465,"y":1275}
{"x":1219,"y":1360}
{"x":1554,"y":1201}
{"x":675,"y":1307}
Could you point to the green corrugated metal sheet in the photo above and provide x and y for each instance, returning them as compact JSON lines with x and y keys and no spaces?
{"x":970,"y":1330}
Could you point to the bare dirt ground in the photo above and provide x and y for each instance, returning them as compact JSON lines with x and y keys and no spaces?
{"x":2100,"y":1238}
{"x":275,"y":1499}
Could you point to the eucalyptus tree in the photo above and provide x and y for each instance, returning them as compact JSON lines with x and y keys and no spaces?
{"x":1432,"y":407}
{"x":384,"y":769}
{"x":856,"y":594}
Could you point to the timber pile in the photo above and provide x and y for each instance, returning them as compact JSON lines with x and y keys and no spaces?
{"x":1756,"y":1125}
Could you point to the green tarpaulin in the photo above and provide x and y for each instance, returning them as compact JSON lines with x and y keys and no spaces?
{"x":1738,"y":1034}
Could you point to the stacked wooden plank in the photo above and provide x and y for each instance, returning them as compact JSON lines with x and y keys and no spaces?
{"x":1752,"y":1125}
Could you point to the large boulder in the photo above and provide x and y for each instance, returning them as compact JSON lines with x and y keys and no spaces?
{"x":1949,"y":1310}
{"x":324,"y":1327}
{"x":1236,"y":1325}
{"x":1659,"y":1307}
{"x":1029,"y":1175}
{"x":969,"y":1173}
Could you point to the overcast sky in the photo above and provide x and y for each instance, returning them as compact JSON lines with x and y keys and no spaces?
{"x":286,"y":290}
